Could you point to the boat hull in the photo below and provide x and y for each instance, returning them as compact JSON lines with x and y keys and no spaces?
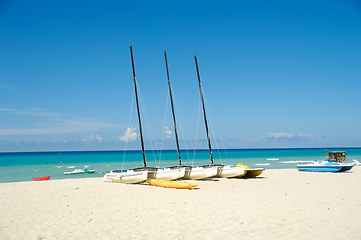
{"x":200,"y":172}
{"x":79,"y":171}
{"x":168,"y":173}
{"x":228,"y":171}
{"x":250,"y":172}
{"x":42,"y":178}
{"x":254,"y":172}
{"x":126,"y":177}
{"x":171,"y":184}
{"x":306,"y":168}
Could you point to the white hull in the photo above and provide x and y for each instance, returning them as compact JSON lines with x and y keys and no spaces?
{"x":79,"y":171}
{"x":200,"y":172}
{"x":228,"y":171}
{"x":168,"y":173}
{"x":129,"y":176}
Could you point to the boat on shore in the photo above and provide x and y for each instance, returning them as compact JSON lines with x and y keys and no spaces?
{"x":80,"y":171}
{"x":41,"y":178}
{"x":171,"y":184}
{"x":128,"y":176}
{"x":212,"y":170}
{"x":250,"y":172}
{"x":136,"y":175}
{"x":334,"y":163}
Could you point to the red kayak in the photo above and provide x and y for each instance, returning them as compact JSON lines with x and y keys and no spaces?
{"x":41,"y":178}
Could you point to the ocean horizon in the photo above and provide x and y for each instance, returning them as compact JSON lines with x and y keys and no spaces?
{"x":23,"y":166}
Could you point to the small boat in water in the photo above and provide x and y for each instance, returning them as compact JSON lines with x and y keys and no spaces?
{"x":41,"y":178}
{"x":334,"y":163}
{"x":171,"y":184}
{"x":78,"y":171}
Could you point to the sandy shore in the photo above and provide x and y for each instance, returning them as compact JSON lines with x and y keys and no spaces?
{"x":281,"y":204}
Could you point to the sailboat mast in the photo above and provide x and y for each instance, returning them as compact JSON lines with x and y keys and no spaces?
{"x":171,"y":100}
{"x":204,"y":110}
{"x":136,"y":94}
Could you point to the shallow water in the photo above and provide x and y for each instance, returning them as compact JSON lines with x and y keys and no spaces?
{"x":16,"y":167}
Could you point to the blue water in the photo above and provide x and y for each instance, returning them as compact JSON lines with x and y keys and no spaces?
{"x":16,"y":167}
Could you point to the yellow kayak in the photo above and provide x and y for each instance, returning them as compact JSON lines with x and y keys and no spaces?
{"x":251,"y":172}
{"x":171,"y":184}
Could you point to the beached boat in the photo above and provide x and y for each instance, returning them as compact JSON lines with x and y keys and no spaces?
{"x":228,"y":171}
{"x":200,"y":172}
{"x":41,"y":178}
{"x":171,"y":184}
{"x":174,"y":172}
{"x":250,"y":172}
{"x":168,"y":173}
{"x":334,"y":163}
{"x":357,"y":163}
{"x":129,"y":176}
{"x":211,"y":170}
{"x":80,"y":171}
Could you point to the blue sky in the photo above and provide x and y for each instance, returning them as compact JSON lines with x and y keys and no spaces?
{"x":274,"y":73}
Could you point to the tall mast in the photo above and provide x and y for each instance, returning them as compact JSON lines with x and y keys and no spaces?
{"x":136,"y":94}
{"x":171,"y":100}
{"x":204,"y":110}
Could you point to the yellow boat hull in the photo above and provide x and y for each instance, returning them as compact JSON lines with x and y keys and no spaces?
{"x":250,"y":172}
{"x":253,"y":172}
{"x":171,"y":184}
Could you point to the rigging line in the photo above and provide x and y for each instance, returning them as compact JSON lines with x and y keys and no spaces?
{"x":130,"y":118}
{"x":182,"y":123}
{"x":199,"y":110}
{"x":165,"y":119}
{"x":212,"y":123}
{"x":149,"y":128}
{"x":215,"y":123}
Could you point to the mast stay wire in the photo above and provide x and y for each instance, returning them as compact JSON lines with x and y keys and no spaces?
{"x":130,"y":118}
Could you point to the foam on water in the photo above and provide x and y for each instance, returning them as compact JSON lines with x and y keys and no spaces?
{"x":297,"y":161}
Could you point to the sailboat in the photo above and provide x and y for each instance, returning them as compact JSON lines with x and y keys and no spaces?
{"x":174,"y":172}
{"x":139,"y":174}
{"x":207,"y":170}
{"x":225,"y":171}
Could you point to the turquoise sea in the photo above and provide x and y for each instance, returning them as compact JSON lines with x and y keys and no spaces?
{"x":23,"y":166}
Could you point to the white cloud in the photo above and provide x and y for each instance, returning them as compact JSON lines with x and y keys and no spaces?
{"x":129,"y":135}
{"x":287,"y":136}
{"x":92,"y":139}
{"x":168,"y":133}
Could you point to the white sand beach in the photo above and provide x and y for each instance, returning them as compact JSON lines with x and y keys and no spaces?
{"x":280,"y":204}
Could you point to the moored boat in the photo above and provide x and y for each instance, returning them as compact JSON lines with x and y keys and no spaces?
{"x":171,"y":184}
{"x":79,"y":171}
